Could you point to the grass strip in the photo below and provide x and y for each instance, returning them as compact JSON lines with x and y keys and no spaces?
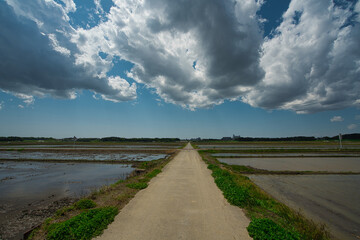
{"x":266,"y":229}
{"x":84,"y":226}
{"x":280,"y":222}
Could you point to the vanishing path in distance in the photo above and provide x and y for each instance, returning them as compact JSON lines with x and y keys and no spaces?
{"x":182,"y":202}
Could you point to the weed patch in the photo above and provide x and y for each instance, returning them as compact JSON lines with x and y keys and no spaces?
{"x":236,"y":194}
{"x":85,"y":204}
{"x":153,"y":173}
{"x":266,"y":229}
{"x":138,"y":185}
{"x":86,"y":225}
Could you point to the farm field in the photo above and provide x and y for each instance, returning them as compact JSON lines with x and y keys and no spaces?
{"x":319,"y":180}
{"x":36,"y":180}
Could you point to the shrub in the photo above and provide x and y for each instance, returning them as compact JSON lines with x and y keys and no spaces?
{"x":266,"y":229}
{"x":84,"y":226}
{"x":85,"y":204}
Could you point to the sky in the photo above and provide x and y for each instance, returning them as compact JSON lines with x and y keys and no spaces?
{"x":190,"y":68}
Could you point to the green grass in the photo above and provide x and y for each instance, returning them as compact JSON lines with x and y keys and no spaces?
{"x":153,"y":173}
{"x":266,"y":229}
{"x":84,"y":226}
{"x":85,"y":204}
{"x":280,"y":220}
{"x":138,"y":185}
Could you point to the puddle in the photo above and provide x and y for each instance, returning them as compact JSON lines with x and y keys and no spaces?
{"x":331,"y":199}
{"x":334,"y":164}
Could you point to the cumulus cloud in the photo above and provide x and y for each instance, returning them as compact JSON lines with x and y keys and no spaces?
{"x":165,"y":39}
{"x":191,"y":53}
{"x":313,"y":61}
{"x":336,"y":119}
{"x":352,"y":126}
{"x":37,"y":57}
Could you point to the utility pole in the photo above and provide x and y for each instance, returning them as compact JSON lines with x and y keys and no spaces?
{"x":340,"y":138}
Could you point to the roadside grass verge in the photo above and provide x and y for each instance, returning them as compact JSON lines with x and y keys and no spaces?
{"x":86,"y":225}
{"x":89,"y":216}
{"x":270,"y":219}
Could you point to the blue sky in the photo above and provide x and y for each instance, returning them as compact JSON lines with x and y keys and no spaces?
{"x":102,"y":68}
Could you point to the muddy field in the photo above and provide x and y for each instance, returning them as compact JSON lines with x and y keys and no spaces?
{"x":274,"y":145}
{"x":328,"y":164}
{"x":332,"y":199}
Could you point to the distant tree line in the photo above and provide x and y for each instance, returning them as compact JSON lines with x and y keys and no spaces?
{"x":353,"y":136}
{"x":71,"y":139}
{"x":19,"y":139}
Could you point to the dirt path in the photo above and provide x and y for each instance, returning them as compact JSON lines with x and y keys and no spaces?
{"x":182,"y":202}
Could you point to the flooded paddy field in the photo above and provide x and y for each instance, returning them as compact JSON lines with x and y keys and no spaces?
{"x":315,"y":154}
{"x":33,"y":191}
{"x":330,"y":199}
{"x":90,"y":146}
{"x":287,"y":145}
{"x":330,"y":164}
{"x":76,"y":156}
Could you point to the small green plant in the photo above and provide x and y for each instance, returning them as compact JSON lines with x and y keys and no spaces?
{"x":139,"y":185}
{"x":266,"y":229}
{"x":153,"y":173}
{"x":62,"y":211}
{"x":85,"y":226}
{"x":85,"y":204}
{"x":124,"y":197}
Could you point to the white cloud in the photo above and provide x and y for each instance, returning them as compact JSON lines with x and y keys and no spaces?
{"x":313,"y":61}
{"x":21,"y":106}
{"x":1,"y":105}
{"x":336,"y":119}
{"x":352,"y":126}
{"x":163,"y":39}
{"x":36,"y":34}
{"x":27,"y":99}
{"x":311,"y":64}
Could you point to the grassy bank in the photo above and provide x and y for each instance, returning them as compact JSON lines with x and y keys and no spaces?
{"x":270,"y":219}
{"x":89,"y":216}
